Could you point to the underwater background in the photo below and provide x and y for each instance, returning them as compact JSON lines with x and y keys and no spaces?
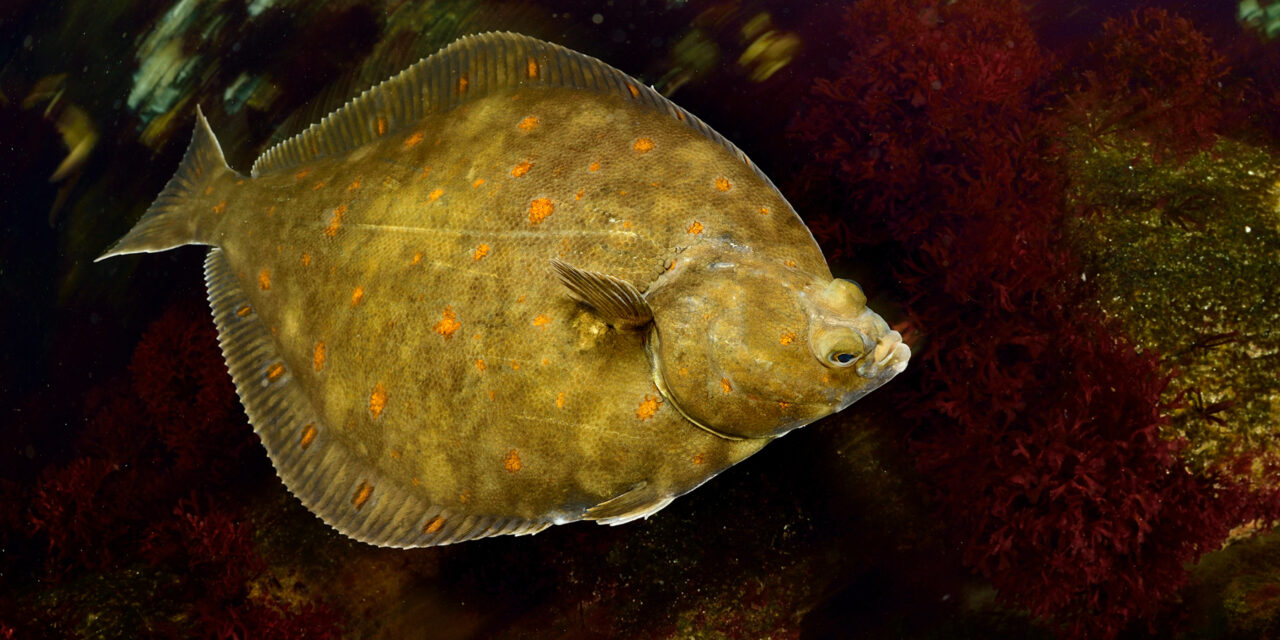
{"x":1071,"y":210}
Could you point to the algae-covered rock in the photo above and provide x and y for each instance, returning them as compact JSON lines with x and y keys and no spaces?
{"x":1187,"y":258}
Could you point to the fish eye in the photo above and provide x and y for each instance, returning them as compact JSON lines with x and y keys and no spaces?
{"x":842,"y":358}
{"x":856,"y":284}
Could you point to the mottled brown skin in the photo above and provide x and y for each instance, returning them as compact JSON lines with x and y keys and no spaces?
{"x":511,"y":287}
{"x":530,"y":405}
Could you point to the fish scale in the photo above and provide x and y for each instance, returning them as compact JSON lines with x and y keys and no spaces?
{"x":385,"y":298}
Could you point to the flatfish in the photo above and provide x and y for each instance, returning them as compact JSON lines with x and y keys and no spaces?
{"x":512,"y":287}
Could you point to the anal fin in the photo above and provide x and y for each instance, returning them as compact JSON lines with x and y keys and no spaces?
{"x":317,"y":467}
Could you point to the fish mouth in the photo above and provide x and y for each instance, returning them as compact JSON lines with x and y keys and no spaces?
{"x":887,"y":359}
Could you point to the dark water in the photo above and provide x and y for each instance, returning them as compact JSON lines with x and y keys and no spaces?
{"x":1068,"y":208}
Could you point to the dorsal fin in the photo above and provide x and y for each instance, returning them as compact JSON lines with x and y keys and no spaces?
{"x":472,"y":67}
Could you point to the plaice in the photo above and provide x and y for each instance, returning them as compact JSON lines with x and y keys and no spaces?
{"x":512,"y":287}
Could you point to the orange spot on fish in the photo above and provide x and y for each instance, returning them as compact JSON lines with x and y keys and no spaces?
{"x":462,"y":84}
{"x":244,"y":311}
{"x":413,"y":140}
{"x":335,"y":221}
{"x":531,"y":68}
{"x":541,"y":321}
{"x":426,"y":171}
{"x":764,"y":211}
{"x":309,"y":434}
{"x":480,"y":364}
{"x":318,"y":186}
{"x":264,"y":279}
{"x":357,"y":296}
{"x":271,"y":211}
{"x":363,"y":493}
{"x":648,"y":407}
{"x":396,"y":453}
{"x":784,"y":405}
{"x":684,"y":371}
{"x":787,"y":337}
{"x":595,"y":166}
{"x":560,"y":400}
{"x":318,"y":358}
{"x":435,"y":194}
{"x":521,"y":169}
{"x":464,"y":497}
{"x":382,"y":125}
{"x":695,"y":228}
{"x":512,"y":461}
{"x":302,"y":174}
{"x":698,"y":458}
{"x":528,"y":124}
{"x":220,"y":207}
{"x":680,"y":115}
{"x":274,"y":372}
{"x":480,"y":252}
{"x":478,"y":182}
{"x":433,"y":525}
{"x":723,"y":184}
{"x":626,"y":224}
{"x":791,"y":263}
{"x":643,"y":145}
{"x":515,"y":365}
{"x":493,"y":395}
{"x":448,"y":323}
{"x":545,"y":361}
{"x":579,"y":194}
{"x":355,"y":184}
{"x":539,"y":209}
{"x":377,"y":400}
{"x":520,"y":299}
{"x":635,"y":93}
{"x":417,"y":257}
{"x":725,"y":386}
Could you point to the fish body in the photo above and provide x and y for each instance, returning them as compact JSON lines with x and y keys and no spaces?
{"x":508,"y":288}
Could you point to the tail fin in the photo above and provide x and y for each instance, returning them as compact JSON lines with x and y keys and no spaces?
{"x":173,"y":219}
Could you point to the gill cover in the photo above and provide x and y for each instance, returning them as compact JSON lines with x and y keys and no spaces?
{"x":728,"y":349}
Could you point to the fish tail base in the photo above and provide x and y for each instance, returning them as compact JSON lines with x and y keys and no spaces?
{"x":173,"y":220}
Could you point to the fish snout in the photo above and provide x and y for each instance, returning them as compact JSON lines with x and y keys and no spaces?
{"x":888,"y":356}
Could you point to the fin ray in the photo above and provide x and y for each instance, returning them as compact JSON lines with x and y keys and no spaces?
{"x":641,"y":501}
{"x":171,"y":221}
{"x":489,"y":62}
{"x":324,"y":474}
{"x":617,"y":301}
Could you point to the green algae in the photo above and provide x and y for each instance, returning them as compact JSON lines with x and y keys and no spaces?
{"x":1187,"y":258}
{"x":1235,"y":592}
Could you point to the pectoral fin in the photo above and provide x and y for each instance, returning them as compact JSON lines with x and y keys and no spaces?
{"x":641,"y":501}
{"x":617,"y":301}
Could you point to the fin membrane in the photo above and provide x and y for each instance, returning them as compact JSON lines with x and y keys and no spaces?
{"x":321,"y":470}
{"x":172,"y":220}
{"x":470,"y":68}
{"x":617,"y":301}
{"x":641,"y":501}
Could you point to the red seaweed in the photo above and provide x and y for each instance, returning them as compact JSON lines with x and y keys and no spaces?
{"x":1036,"y":425}
{"x":149,"y":480}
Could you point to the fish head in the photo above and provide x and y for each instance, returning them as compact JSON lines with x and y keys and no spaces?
{"x":746,"y":346}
